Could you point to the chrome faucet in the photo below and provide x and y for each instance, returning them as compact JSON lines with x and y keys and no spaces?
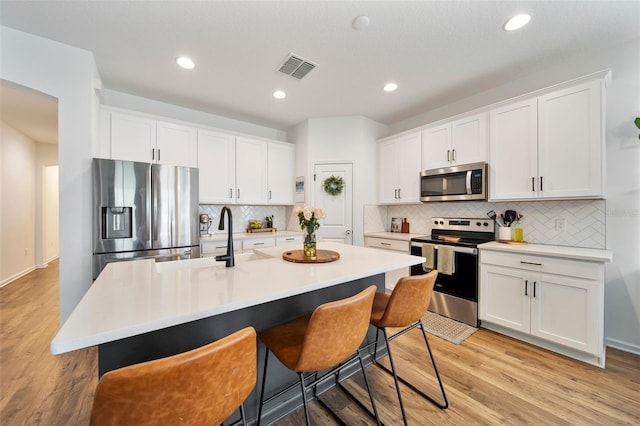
{"x":229,"y":256}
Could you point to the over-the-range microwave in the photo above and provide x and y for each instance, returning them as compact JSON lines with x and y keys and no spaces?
{"x":456,"y":183}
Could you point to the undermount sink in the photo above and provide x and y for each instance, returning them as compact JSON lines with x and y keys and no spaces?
{"x":206,"y":262}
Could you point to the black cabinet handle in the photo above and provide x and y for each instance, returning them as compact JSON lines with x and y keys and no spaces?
{"x":534,"y":289}
{"x":533,"y":184}
{"x":526,"y":287}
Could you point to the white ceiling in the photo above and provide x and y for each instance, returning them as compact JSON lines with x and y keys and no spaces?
{"x":436,"y":51}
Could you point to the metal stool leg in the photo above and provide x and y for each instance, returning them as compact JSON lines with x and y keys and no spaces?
{"x":304,"y":398}
{"x":264,"y":381}
{"x":366,"y":382}
{"x":433,"y":361}
{"x":395,"y":376}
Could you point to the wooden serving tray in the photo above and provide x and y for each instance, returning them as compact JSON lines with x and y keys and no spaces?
{"x":322,"y":256}
{"x":521,"y":243}
{"x":252,"y":230}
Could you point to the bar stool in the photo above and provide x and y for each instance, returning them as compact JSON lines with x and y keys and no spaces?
{"x":404,"y":308}
{"x":329,"y":338}
{"x":202,"y":386}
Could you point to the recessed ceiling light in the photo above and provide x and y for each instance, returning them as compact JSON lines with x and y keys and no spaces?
{"x":185,"y":62}
{"x":279,"y":94}
{"x":360,"y":23}
{"x":517,"y":22}
{"x":390,"y":87}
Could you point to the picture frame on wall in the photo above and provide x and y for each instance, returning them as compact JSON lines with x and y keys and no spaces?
{"x":299,"y":198}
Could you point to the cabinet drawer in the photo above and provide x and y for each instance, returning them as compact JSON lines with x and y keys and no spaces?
{"x":386,"y":244}
{"x":551,"y":265}
{"x":208,"y":248}
{"x":292,"y":239}
{"x":254,"y":243}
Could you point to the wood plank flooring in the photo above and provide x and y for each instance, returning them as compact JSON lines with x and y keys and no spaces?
{"x":489,"y":379}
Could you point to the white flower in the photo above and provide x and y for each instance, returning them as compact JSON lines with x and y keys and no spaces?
{"x":319,"y":212}
{"x":307,"y":212}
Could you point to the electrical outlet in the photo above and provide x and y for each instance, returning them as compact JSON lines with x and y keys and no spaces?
{"x":561,"y":224}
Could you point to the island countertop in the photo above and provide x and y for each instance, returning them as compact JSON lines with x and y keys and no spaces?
{"x":136,"y":297}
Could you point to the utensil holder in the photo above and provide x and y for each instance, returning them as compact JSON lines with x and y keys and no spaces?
{"x":504,"y":233}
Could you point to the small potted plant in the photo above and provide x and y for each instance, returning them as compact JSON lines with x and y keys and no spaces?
{"x":268,"y":221}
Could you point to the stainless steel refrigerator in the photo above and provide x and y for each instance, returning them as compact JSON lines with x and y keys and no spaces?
{"x":143,"y":210}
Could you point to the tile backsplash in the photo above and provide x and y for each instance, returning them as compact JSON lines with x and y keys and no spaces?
{"x":584,"y":219}
{"x":242,"y":215}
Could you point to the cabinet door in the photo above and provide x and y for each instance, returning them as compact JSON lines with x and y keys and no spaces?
{"x":504,"y":297}
{"x":567,"y":311}
{"x":469,"y":139}
{"x":217,"y":164}
{"x":570,"y":142}
{"x":388,"y":172}
{"x":436,"y":147}
{"x":409,"y":164}
{"x":280,"y":169}
{"x":513,"y":151}
{"x":132,"y":138}
{"x":251,"y":171}
{"x":176,"y":145}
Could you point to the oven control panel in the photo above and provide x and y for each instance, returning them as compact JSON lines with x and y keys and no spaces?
{"x":463,"y":224}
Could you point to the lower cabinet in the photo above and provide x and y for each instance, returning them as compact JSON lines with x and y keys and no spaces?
{"x":210,"y":248}
{"x":555,"y":300}
{"x":391,"y":277}
{"x":217,"y":247}
{"x":289,"y":240}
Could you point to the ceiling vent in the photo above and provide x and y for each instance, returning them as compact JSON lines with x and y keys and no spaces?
{"x":296,"y":66}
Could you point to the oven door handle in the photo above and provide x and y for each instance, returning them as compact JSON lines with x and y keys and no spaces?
{"x":456,"y":249}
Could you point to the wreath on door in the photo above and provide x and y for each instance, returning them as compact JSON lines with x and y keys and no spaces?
{"x":333,"y":185}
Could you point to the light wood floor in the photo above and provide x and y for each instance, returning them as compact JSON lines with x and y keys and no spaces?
{"x":489,"y":379}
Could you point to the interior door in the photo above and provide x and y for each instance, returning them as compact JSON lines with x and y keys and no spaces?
{"x":337,"y":226}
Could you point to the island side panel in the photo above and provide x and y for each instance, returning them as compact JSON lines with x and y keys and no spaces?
{"x":184,"y":337}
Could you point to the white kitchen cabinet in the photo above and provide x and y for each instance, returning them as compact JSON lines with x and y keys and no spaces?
{"x":138,"y":138}
{"x":549,"y":147}
{"x":399,"y":169}
{"x":213,"y":248}
{"x":133,"y":138}
{"x":461,"y":141}
{"x":217,"y":164}
{"x":554,"y":300}
{"x":280,"y":165}
{"x":251,"y":171}
{"x":176,"y":145}
{"x":289,"y":240}
{"x":403,"y":246}
{"x":250,"y":244}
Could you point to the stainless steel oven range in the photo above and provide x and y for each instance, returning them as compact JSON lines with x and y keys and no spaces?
{"x":453,"y":244}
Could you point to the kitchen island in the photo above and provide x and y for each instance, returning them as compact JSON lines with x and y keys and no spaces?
{"x":141,"y":310}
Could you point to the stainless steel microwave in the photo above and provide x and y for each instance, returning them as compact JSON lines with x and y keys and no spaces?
{"x":457,"y":183}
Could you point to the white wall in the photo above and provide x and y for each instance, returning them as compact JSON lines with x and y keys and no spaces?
{"x":149,"y":106}
{"x":46,"y":204}
{"x":622,"y":290}
{"x":67,"y":74}
{"x":17,"y":224}
{"x":342,"y":139}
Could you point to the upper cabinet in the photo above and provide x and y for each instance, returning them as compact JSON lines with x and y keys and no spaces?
{"x":549,"y":147}
{"x":280,"y":170}
{"x":217,"y":164}
{"x":251,"y":171}
{"x":142,"y":139}
{"x":461,"y":141}
{"x":399,"y":169}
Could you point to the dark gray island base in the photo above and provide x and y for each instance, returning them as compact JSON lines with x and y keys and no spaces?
{"x":184,"y":337}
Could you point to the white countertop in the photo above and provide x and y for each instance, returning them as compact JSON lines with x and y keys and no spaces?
{"x":579,"y":253}
{"x":136,"y":297}
{"x":247,"y":235}
{"x":392,"y":235}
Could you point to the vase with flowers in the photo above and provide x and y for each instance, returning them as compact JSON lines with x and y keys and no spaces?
{"x":309,"y":223}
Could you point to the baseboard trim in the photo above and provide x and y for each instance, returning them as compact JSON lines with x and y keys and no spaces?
{"x":16,"y":276}
{"x":623,"y":346}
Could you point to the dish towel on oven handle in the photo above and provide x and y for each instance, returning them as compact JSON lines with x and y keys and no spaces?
{"x":445,"y":260}
{"x":428,"y":253}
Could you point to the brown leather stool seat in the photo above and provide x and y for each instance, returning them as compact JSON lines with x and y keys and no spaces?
{"x":329,"y":338}
{"x":404,"y":307}
{"x":203,"y":386}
